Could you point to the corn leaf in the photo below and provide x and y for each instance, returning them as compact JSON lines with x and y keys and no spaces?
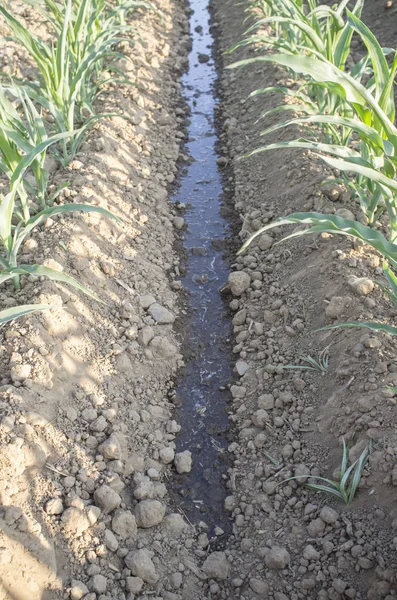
{"x":9,"y":314}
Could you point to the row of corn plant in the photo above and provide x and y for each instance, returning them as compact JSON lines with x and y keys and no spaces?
{"x":54,"y":113}
{"x":350,"y":104}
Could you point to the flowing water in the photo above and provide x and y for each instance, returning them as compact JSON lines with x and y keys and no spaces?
{"x":203,"y":412}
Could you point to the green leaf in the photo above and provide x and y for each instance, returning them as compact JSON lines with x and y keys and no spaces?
{"x":15,"y":312}
{"x":379,"y":63}
{"x":369,"y":134}
{"x":332,"y":224}
{"x":42,"y":271}
{"x":321,"y":70}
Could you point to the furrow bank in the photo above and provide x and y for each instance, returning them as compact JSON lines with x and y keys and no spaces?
{"x":288,"y":542}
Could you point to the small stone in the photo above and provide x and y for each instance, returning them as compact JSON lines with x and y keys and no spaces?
{"x":78,"y":589}
{"x":146,"y":300}
{"x":178,"y":222}
{"x":110,"y":540}
{"x":365,"y":563}
{"x":111,"y":448}
{"x":365,"y":405}
{"x":203,"y":58}
{"x":124,"y":524}
{"x":339,"y":585}
{"x":310,"y":553}
{"x":176,"y":581}
{"x":174,"y":524}
{"x":106,"y":498}
{"x":71,"y":413}
{"x":167,"y":455}
{"x":183,"y":462}
{"x":145,"y":335}
{"x":134,"y":584}
{"x":240,"y":317}
{"x":141,"y":565}
{"x":241,"y":367}
{"x":278,"y":558}
{"x":222,"y":161}
{"x":160,"y":314}
{"x":162,"y":348}
{"x":316,"y":528}
{"x":329,"y":515}
{"x":149,"y":513}
{"x":337,"y":306}
{"x":265,"y":241}
{"x":75,"y":521}
{"x":99,"y":424}
{"x":216,"y":566}
{"x":332,"y":191}
{"x":98,"y":584}
{"x":54,"y":506}
{"x":239,"y":282}
{"x":266,"y":402}
{"x":259,"y":587}
{"x":362,"y":286}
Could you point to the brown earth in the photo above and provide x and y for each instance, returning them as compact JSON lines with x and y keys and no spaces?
{"x":290,"y":543}
{"x":87,"y":430}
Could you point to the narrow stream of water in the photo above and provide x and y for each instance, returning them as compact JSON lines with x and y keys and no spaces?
{"x":203,"y":412}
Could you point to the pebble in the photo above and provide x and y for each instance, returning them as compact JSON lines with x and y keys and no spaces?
{"x":178,"y":222}
{"x":183,"y":462}
{"x":75,"y":521}
{"x":160,"y":314}
{"x":149,"y":513}
{"x":110,"y":541}
{"x":241,"y":367}
{"x":162,"y":347}
{"x":337,"y":306}
{"x":362,"y":286}
{"x":239,"y":282}
{"x":260,"y":587}
{"x":278,"y":558}
{"x":54,"y":506}
{"x":106,"y":498}
{"x":203,"y":58}
{"x":141,"y":565}
{"x":146,"y":300}
{"x":78,"y":590}
{"x":216,"y":566}
{"x":124,"y":524}
{"x":329,"y":515}
{"x":134,"y":584}
{"x":316,"y":528}
{"x":167,"y":455}
{"x":145,"y":335}
{"x":98,"y":583}
{"x":265,"y":241}
{"x":174,"y":524}
{"x":111,"y":448}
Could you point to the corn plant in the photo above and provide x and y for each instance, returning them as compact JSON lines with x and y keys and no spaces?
{"x":374,"y":166}
{"x":20,"y":132}
{"x":12,"y":236}
{"x":319,"y":223}
{"x":16,"y":312}
{"x":322,"y":32}
{"x":350,"y":476}
{"x":321,"y":364}
{"x":67,"y":84}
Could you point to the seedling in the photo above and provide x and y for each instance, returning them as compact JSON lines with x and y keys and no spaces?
{"x":350,"y":476}
{"x":312,"y":364}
